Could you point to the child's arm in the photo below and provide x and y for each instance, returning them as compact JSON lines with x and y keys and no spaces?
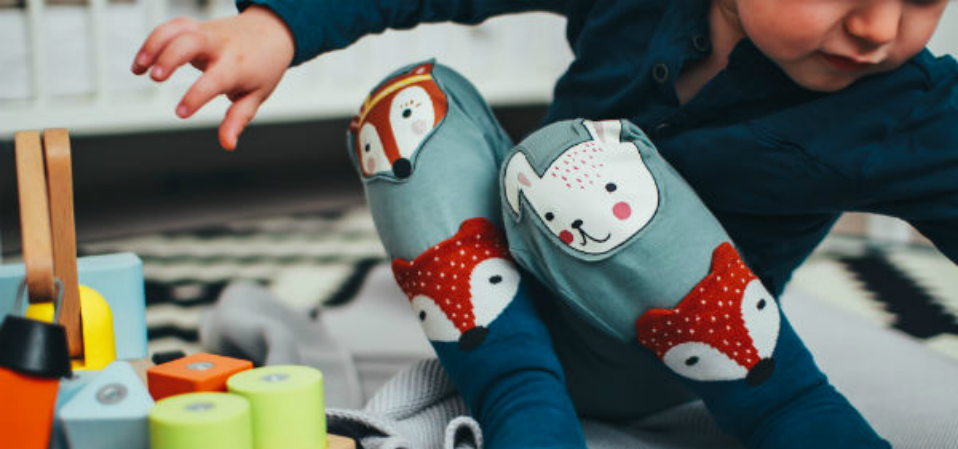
{"x":242,"y":57}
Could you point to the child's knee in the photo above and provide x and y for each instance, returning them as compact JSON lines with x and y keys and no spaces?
{"x":407,"y":113}
{"x":427,"y":148}
{"x":595,"y":212}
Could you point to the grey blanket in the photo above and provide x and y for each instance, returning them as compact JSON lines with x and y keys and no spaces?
{"x":908,"y":393}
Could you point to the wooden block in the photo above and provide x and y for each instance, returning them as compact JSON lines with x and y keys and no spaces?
{"x":110,"y":412}
{"x":193,"y":373}
{"x":118,"y":278}
{"x":338,"y":442}
{"x":26,"y":410}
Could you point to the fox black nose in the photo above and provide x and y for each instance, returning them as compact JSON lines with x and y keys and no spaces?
{"x":760,"y":372}
{"x":473,"y":338}
{"x":577,"y":224}
{"x":402,"y":168}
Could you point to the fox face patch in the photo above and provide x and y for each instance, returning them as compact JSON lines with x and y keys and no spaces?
{"x":395,"y":119}
{"x":460,"y":286}
{"x":593,"y":196}
{"x":726,"y":328}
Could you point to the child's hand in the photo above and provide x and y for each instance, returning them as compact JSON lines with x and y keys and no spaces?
{"x":243,"y":57}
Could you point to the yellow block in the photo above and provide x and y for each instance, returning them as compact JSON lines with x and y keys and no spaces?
{"x":99,"y":343}
{"x":41,"y":312}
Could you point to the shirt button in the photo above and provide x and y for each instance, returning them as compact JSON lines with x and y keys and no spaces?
{"x":660,"y":73}
{"x":700,"y":42}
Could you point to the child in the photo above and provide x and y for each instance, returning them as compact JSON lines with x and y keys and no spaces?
{"x":781,"y":114}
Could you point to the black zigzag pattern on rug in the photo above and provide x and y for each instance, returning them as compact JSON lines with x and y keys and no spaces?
{"x":916,"y":311}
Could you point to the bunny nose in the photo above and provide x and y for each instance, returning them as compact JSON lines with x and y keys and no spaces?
{"x":760,"y":372}
{"x":402,"y":168}
{"x":577,"y":224}
{"x":473,"y":338}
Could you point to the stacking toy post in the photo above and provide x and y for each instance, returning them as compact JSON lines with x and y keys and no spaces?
{"x":33,"y":357}
{"x":193,"y":373}
{"x":201,"y":420}
{"x":287,"y":406}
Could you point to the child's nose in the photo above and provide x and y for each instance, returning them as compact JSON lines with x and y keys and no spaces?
{"x":875,"y":22}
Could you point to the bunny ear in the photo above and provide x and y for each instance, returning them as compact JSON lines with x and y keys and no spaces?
{"x":607,"y":131}
{"x":517,"y":175}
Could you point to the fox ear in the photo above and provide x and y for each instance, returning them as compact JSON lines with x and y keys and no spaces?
{"x":517,"y":176}
{"x":650,"y":318}
{"x":724,"y":256}
{"x":606,"y":131}
{"x":400,"y":269}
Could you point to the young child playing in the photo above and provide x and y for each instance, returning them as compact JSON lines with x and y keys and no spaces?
{"x":779,"y":114}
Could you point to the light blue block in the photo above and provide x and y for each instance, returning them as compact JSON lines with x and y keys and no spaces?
{"x":67,"y":391}
{"x":119,"y":278}
{"x":110,"y":412}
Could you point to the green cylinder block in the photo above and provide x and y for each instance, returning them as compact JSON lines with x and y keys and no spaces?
{"x":201,"y":421}
{"x":287,"y":406}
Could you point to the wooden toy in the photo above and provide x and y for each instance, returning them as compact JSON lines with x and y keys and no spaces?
{"x":118,"y":278}
{"x":287,"y":406}
{"x":193,"y":373}
{"x":109,"y":412}
{"x":49,"y":248}
{"x":33,"y":357}
{"x":69,"y":387}
{"x":208,"y":420}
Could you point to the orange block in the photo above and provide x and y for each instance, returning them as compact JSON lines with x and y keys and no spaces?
{"x":197,"y":372}
{"x":26,"y":410}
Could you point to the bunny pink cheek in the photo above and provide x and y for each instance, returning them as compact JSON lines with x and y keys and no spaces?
{"x":370,"y":164}
{"x":621,"y":210}
{"x":566,"y":237}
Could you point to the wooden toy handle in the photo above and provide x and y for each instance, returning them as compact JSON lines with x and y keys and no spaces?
{"x":34,"y":217}
{"x":45,"y":187}
{"x":56,"y":144}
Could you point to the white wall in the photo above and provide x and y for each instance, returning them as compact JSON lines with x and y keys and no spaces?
{"x":945,"y":39}
{"x":512,"y":59}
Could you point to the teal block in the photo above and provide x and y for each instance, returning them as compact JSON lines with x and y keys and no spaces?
{"x":110,"y":412}
{"x":67,"y":391}
{"x":119,"y":278}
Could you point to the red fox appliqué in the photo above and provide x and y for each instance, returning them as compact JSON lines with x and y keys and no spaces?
{"x":458,"y":287}
{"x":726,"y":328}
{"x":395,"y":119}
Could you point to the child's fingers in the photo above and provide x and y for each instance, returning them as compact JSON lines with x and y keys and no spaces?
{"x":157,"y":40}
{"x":213,"y":82}
{"x":185,"y":47}
{"x":237,"y":117}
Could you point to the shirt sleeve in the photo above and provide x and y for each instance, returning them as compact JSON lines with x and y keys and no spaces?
{"x":319,"y":26}
{"x":915,"y":177}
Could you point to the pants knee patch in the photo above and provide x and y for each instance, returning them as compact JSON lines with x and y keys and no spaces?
{"x":395,"y":120}
{"x":726,"y":328}
{"x":458,"y":287}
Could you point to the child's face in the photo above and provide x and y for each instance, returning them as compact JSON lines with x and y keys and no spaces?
{"x":826,"y":45}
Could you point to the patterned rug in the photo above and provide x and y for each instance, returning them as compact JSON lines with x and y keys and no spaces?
{"x":322,"y":259}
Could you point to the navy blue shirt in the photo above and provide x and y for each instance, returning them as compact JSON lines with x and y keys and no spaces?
{"x":776,"y":163}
